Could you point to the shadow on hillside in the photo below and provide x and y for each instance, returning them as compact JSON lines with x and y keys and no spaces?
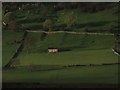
{"x":64,"y":49}
{"x":93,"y":24}
{"x":43,"y":36}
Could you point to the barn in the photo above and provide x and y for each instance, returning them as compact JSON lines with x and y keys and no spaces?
{"x":52,"y":50}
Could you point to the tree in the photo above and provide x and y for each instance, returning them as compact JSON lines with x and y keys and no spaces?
{"x":69,"y":19}
{"x":13,"y":26}
{"x":9,"y":22}
{"x":48,"y":24}
{"x":8,"y":17}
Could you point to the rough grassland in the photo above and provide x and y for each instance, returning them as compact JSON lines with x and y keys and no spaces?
{"x":71,"y":75}
{"x":8,"y":45}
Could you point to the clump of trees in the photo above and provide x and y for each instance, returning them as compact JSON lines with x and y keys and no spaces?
{"x":13,"y":26}
{"x":69,"y":19}
{"x":48,"y":24}
{"x":9,"y":22}
{"x":8,"y":17}
{"x":44,"y":11}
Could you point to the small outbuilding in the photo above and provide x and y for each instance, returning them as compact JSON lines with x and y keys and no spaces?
{"x":52,"y":50}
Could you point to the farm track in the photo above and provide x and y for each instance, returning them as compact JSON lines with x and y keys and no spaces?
{"x":8,"y":65}
{"x":52,"y":32}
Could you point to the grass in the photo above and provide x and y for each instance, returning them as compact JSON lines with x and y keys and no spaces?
{"x":35,"y":64}
{"x":31,"y":26}
{"x":71,"y":75}
{"x":8,"y":45}
{"x":71,"y":57}
{"x":43,"y":41}
{"x":99,"y":21}
{"x":82,"y":18}
{"x":83,"y":50}
{"x":77,"y":49}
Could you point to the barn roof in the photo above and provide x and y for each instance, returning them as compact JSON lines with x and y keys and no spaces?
{"x":52,"y":48}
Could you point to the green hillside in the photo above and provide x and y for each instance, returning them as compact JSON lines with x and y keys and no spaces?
{"x":73,"y":49}
{"x":85,"y":35}
{"x":97,"y":22}
{"x":9,"y":45}
{"x":71,"y":75}
{"x":42,"y":41}
{"x":97,"y":17}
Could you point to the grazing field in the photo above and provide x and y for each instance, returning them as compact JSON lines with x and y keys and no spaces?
{"x":70,"y":57}
{"x":71,"y":75}
{"x":35,"y":64}
{"x":70,"y":41}
{"x":74,"y":49}
{"x":9,"y":45}
{"x":83,"y":34}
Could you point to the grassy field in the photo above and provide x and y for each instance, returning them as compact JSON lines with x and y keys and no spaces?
{"x":8,"y":45}
{"x":75,"y":49}
{"x":42,"y":41}
{"x":71,"y":57}
{"x":70,"y":75}
{"x":81,"y":59}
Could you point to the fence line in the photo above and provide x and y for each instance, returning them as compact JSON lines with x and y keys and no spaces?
{"x":16,"y":53}
{"x":115,"y":52}
{"x":25,"y":34}
{"x":70,"y":32}
{"x":34,"y":68}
